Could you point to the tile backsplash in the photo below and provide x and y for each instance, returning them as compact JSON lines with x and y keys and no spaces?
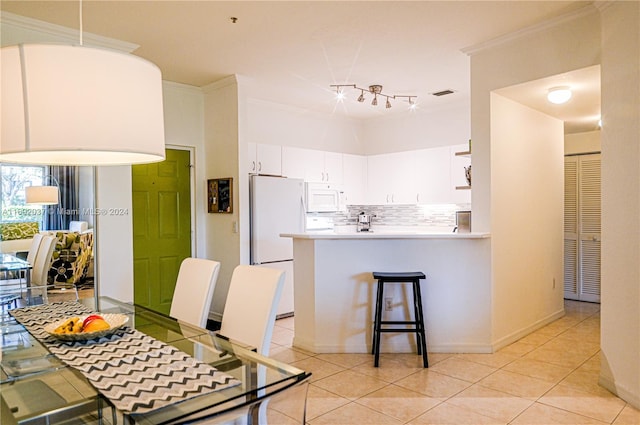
{"x":433,"y":215}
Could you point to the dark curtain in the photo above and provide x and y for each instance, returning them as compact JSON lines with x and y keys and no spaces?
{"x":59,"y":216}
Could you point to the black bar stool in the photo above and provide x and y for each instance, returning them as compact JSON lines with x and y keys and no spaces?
{"x":417,"y":323}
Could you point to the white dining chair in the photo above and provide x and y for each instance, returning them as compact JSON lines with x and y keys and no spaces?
{"x":33,"y":249}
{"x":252,"y":301}
{"x":40,"y":267}
{"x":193,"y":293}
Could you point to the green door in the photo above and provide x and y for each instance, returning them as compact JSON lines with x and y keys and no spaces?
{"x":161,"y":227}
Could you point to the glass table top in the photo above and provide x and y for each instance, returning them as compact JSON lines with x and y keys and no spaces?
{"x":26,"y":361}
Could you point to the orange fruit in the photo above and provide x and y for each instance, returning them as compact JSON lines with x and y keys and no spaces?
{"x":96,"y":325}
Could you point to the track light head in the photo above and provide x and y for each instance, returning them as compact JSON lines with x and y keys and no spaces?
{"x":375,"y":90}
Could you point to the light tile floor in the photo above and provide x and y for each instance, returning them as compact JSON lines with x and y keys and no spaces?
{"x":547,"y":377}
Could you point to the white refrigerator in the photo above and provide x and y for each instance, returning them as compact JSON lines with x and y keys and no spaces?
{"x":277,"y":206}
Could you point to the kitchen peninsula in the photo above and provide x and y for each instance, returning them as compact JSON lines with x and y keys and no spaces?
{"x":335,"y":292}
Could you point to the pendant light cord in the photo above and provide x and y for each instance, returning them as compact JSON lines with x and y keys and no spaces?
{"x":80,"y":17}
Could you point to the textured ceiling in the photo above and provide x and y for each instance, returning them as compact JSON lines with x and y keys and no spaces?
{"x":292,"y":51}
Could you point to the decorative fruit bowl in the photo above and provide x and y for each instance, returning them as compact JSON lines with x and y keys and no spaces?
{"x":71,"y":329}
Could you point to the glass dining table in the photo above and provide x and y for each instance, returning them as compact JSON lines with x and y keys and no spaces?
{"x":15,"y":274}
{"x":39,"y":384}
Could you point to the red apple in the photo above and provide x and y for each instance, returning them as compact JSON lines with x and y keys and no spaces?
{"x":90,"y":319}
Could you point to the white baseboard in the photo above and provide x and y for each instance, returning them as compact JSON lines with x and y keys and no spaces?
{"x":622,"y":392}
{"x":514,"y":336}
{"x":473,"y":347}
{"x":309,"y":345}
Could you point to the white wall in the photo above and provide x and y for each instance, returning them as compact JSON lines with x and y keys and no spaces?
{"x":549,"y":50}
{"x":113,"y":235}
{"x":500,"y":205}
{"x":582,"y":143}
{"x":527,"y":204}
{"x":183,"y":115}
{"x":278,"y":124}
{"x":620,"y":315}
{"x":574,"y":44}
{"x":222,"y":159}
{"x":184,"y":128}
{"x":420,"y":129}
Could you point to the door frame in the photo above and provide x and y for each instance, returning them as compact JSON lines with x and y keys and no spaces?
{"x":192,"y":191}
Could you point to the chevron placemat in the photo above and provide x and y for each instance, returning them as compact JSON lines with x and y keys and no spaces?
{"x":135,"y":372}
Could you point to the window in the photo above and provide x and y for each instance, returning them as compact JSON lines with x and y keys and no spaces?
{"x":14,"y":180}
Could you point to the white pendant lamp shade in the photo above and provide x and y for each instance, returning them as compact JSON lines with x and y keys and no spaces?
{"x":41,"y":195}
{"x":75,"y":105}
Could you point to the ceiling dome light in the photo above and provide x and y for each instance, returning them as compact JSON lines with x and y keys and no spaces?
{"x":559,"y":95}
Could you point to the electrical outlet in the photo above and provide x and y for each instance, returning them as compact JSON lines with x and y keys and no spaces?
{"x":388,"y":304}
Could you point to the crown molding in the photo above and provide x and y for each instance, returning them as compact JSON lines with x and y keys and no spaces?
{"x":182,"y":87}
{"x":602,"y":5}
{"x":221,"y":83}
{"x":533,"y":29}
{"x":48,"y":32}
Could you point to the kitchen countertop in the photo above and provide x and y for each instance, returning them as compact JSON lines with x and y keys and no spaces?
{"x":334,"y":291}
{"x":387,"y":232}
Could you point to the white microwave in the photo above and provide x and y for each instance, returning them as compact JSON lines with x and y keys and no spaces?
{"x":323,"y":197}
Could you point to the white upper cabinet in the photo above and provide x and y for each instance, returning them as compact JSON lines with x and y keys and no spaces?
{"x":391,"y":178}
{"x":265,"y":159}
{"x":425,"y":176}
{"x":312,"y":165}
{"x":333,"y":167}
{"x":433,"y":175}
{"x":294,"y":162}
{"x":354,"y":179}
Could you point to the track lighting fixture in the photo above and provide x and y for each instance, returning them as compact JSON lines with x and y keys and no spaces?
{"x":375,"y":90}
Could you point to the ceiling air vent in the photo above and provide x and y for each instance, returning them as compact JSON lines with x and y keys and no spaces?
{"x":442,"y":93}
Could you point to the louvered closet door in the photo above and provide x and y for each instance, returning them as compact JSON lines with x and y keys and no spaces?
{"x":582,"y":227}
{"x":571,"y":227}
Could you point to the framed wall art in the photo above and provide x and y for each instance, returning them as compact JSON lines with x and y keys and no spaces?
{"x":220,"y":195}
